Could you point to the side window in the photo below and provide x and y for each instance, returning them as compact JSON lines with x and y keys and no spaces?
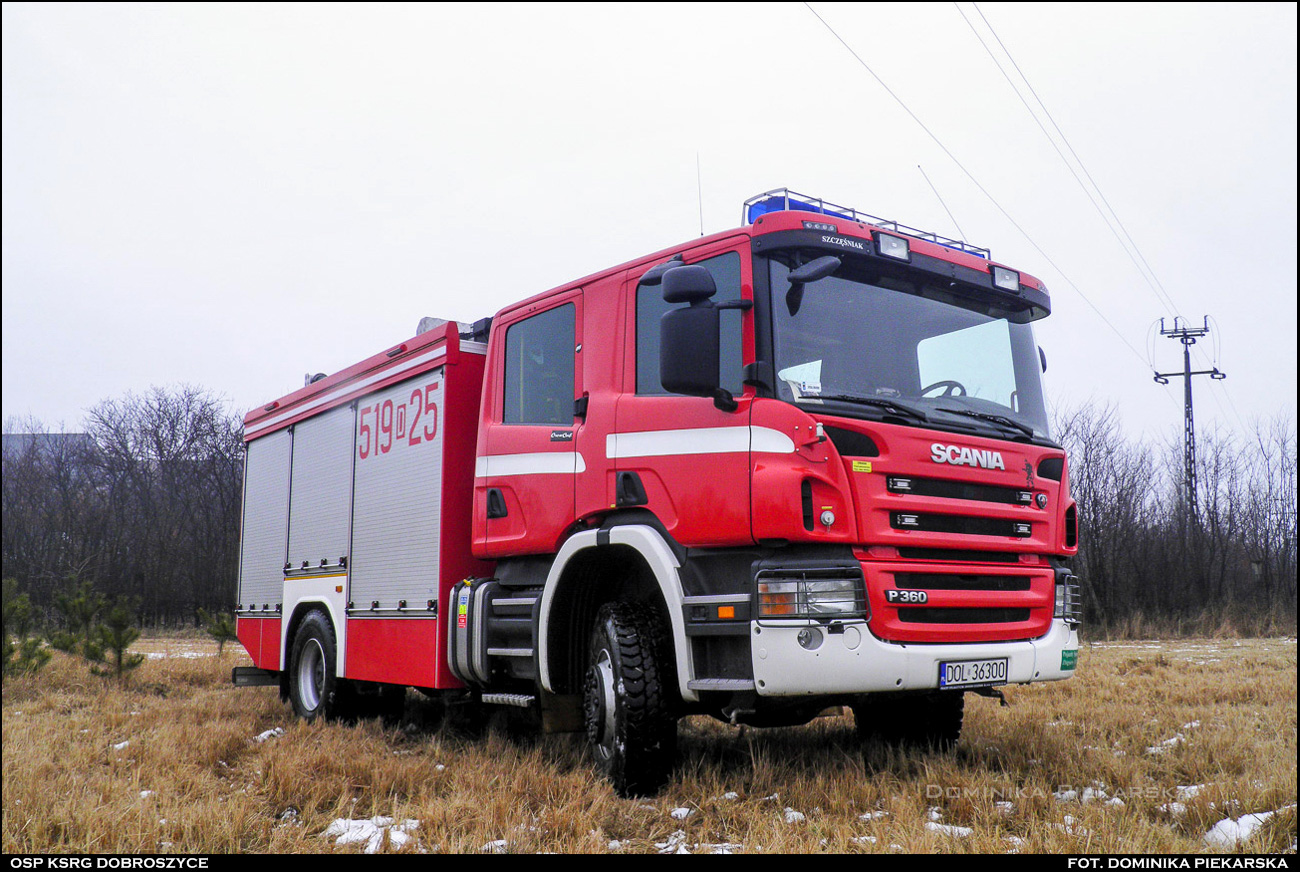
{"x":650,"y":307}
{"x":539,"y":368}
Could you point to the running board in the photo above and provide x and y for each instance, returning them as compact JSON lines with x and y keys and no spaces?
{"x":732,"y":684}
{"x":250,"y":676}
{"x":518,"y":700}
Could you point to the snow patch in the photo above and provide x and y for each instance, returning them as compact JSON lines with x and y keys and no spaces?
{"x":793,"y":817}
{"x":274,"y":733}
{"x":681,"y":814}
{"x":497,"y":846}
{"x":1070,"y":826}
{"x":949,"y":830}
{"x":1096,"y":792}
{"x":371,"y":831}
{"x":1227,"y":833}
{"x":121,"y":745}
{"x":676,"y":844}
{"x":1167,"y":745}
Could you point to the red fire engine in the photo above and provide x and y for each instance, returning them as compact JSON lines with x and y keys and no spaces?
{"x":798,"y":464}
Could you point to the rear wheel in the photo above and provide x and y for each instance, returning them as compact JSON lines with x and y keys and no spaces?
{"x":628,"y":716}
{"x":314,"y":689}
{"x":914,"y":721}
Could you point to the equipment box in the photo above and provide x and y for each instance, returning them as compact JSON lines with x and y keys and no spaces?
{"x":358,"y":493}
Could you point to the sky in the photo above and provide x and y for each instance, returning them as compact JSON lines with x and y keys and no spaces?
{"x":232,"y":196}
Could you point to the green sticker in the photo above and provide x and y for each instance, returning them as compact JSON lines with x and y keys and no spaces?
{"x":1069,"y":658}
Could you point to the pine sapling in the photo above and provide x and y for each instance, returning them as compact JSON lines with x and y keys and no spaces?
{"x":115,"y":635}
{"x":220,"y":626}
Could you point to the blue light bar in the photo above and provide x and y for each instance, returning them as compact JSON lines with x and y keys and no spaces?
{"x":755,"y":210}
{"x":785,"y":200}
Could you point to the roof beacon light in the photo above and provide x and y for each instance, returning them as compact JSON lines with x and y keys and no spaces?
{"x":786,"y":200}
{"x":1007,"y":279}
{"x":893,"y":246}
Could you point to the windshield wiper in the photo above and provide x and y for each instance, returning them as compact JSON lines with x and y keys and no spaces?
{"x":891,"y":405}
{"x":996,"y":419}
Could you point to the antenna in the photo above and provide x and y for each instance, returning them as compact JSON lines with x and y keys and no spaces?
{"x":699,"y":186}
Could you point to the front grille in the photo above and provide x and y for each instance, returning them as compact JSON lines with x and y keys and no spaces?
{"x":942,"y":581}
{"x":959,"y":524}
{"x":962,"y":616}
{"x":958,"y":555}
{"x":958,"y":490}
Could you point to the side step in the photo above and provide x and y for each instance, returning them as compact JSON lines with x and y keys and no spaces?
{"x":725,"y":684}
{"x":518,"y":700}
{"x":251,"y":676}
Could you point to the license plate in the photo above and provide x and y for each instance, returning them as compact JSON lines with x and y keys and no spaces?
{"x":971,"y":673}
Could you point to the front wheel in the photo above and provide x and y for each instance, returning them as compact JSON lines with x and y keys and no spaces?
{"x":314,"y":689}
{"x":628,"y":716}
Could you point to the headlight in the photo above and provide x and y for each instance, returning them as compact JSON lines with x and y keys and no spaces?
{"x":786,"y":597}
{"x":1007,"y":279}
{"x":1069,"y":601}
{"x":893,"y":246}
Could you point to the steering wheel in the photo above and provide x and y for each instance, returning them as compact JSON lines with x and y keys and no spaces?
{"x":950,"y":388}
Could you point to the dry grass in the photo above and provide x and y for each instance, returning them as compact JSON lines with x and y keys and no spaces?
{"x":192,"y":778}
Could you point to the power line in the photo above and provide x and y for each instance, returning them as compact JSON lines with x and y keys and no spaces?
{"x":1162,"y":294}
{"x":1144,"y":268}
{"x":960,"y":233}
{"x":1165,"y":300}
{"x":976,"y":183}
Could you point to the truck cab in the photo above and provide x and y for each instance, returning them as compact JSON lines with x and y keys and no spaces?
{"x":807,"y":461}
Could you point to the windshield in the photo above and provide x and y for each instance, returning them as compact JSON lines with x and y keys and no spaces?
{"x":936,"y":357}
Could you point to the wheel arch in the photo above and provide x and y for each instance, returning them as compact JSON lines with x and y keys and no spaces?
{"x":300,"y":610}
{"x":595,"y":567}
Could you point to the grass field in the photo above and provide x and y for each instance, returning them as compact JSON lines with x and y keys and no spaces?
{"x":1150,"y":747}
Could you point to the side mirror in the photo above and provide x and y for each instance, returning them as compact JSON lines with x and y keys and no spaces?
{"x":688,"y":284}
{"x":806,"y":274}
{"x":1042,"y":358}
{"x":655,"y":274}
{"x":688,"y":351}
{"x":688,"y":338}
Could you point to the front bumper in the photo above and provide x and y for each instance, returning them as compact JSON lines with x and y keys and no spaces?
{"x":854,"y":661}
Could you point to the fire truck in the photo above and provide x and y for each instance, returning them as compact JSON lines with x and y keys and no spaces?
{"x":800,"y":464}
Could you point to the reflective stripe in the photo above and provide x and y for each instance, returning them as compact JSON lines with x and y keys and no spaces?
{"x":699,"y":440}
{"x":542,"y":463}
{"x":345,"y":389}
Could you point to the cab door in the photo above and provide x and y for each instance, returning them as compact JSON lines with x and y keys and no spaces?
{"x":526,"y":474}
{"x":689,"y":458}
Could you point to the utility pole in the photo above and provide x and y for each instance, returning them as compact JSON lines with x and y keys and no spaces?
{"x":1188,"y":336}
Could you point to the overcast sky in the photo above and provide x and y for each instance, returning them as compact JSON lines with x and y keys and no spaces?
{"x":233,"y":196}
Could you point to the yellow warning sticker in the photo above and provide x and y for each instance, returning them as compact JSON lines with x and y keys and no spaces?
{"x":862,"y":466}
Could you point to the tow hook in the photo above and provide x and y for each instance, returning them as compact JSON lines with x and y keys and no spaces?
{"x":994,"y":693}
